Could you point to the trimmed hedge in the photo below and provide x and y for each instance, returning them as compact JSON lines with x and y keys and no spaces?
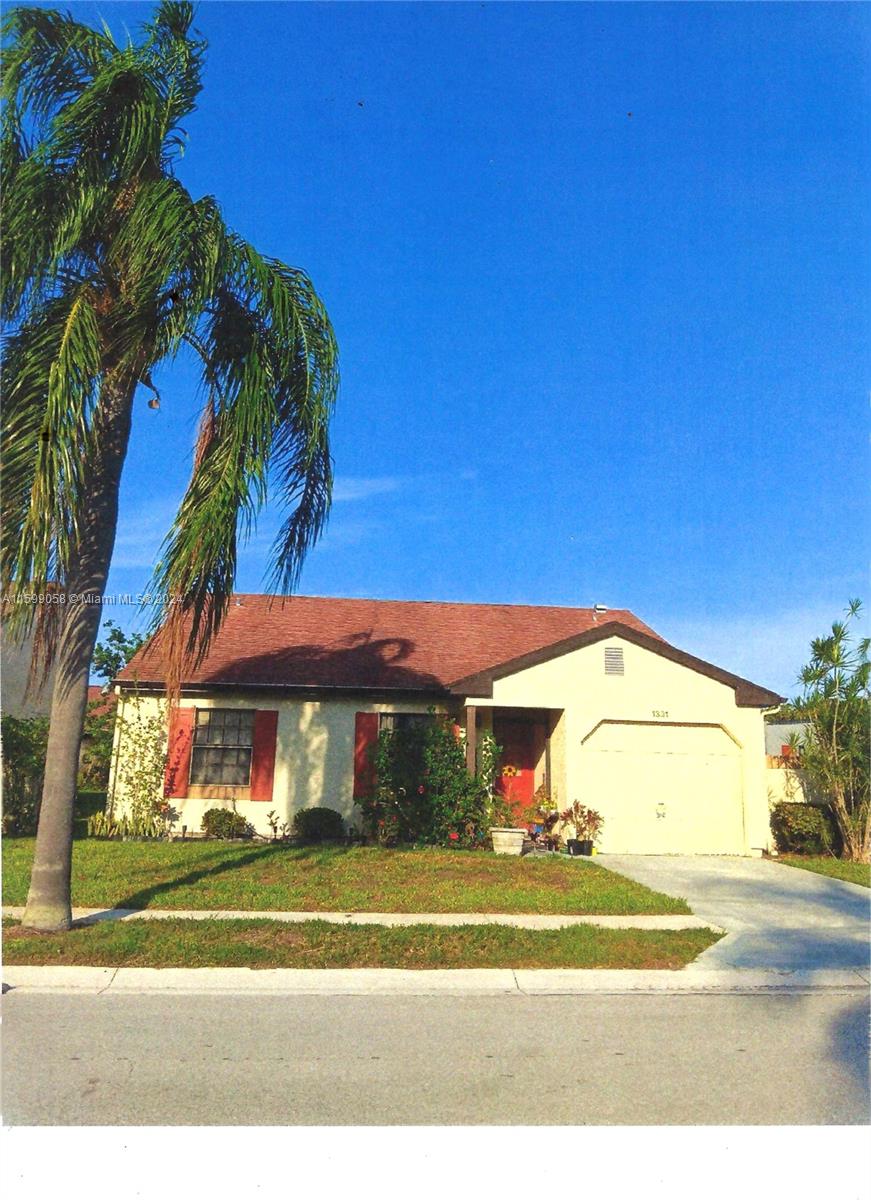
{"x":318,"y":825}
{"x":804,"y":829}
{"x":223,"y":823}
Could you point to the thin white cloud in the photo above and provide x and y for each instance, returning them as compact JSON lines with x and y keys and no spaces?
{"x":349,"y":488}
{"x":140,"y":534}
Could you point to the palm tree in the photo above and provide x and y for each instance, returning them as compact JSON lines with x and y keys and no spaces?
{"x":109,"y":267}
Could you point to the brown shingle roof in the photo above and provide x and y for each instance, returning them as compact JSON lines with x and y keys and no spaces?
{"x":411,"y":645}
{"x":407,"y":645}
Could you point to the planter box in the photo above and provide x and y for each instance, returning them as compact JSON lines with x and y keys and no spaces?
{"x":508,"y":841}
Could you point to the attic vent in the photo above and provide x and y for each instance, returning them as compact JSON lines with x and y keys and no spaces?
{"x":613,"y":660}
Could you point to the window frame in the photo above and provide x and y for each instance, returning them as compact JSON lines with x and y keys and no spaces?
{"x":392,"y":721}
{"x":198,"y":748}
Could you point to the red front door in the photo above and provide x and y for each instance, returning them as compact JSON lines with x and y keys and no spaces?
{"x":518,"y":742}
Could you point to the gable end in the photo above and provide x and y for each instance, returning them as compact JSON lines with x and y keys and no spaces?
{"x":747,"y":694}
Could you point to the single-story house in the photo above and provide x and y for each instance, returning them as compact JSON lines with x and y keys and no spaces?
{"x":588,"y":701}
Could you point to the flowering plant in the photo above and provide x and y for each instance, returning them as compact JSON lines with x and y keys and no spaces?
{"x":424,"y":792}
{"x":510,"y":772}
{"x":587,"y":822}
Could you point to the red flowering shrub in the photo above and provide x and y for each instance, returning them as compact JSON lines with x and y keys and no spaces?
{"x":424,"y":792}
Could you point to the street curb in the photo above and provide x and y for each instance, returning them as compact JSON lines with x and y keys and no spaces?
{"x":664,"y":921}
{"x":98,"y":981}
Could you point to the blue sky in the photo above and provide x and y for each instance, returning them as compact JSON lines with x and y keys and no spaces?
{"x":599,"y":276}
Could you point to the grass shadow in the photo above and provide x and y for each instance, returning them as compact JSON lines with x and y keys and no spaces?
{"x":262,"y":854}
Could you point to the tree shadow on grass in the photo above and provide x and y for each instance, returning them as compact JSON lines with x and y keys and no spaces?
{"x":145,"y":897}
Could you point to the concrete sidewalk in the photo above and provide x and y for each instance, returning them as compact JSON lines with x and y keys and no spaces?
{"x":99,"y":981}
{"x":777,"y":916}
{"x":92,"y":916}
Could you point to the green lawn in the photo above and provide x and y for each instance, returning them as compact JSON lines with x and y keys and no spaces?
{"x":243,"y":943}
{"x":215,"y":875}
{"x":837,"y":868}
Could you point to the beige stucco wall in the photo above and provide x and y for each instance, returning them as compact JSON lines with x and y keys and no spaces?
{"x":315,"y":746}
{"x":314,"y":757}
{"x":650,"y":685}
{"x":786,"y":784}
{"x":558,"y":788}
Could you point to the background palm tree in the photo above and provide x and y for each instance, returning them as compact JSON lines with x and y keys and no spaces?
{"x":109,"y":266}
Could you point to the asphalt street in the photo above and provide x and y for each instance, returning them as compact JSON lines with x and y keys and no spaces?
{"x":147,"y":1059}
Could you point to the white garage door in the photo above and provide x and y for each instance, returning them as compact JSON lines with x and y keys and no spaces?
{"x":664,"y":789}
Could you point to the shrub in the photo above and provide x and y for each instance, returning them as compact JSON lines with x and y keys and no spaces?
{"x":225,"y":823}
{"x":835,"y":747}
{"x":106,"y":825}
{"x":88,"y":805}
{"x":804,"y":829}
{"x":424,"y":792}
{"x":318,"y":825}
{"x":95,"y":757}
{"x":24,"y":741}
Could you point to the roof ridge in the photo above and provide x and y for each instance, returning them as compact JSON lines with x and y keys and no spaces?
{"x":452,"y":603}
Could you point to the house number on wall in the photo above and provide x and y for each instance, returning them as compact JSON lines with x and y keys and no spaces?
{"x":660,"y":712}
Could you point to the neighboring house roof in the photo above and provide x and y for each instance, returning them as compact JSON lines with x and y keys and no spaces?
{"x":105,"y":701}
{"x":405,"y":645}
{"x":410,"y":645}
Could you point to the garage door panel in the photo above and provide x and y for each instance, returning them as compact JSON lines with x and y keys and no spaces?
{"x":665,"y":789}
{"x":622,"y":737}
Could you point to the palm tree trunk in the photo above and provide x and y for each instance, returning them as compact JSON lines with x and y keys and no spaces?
{"x":48,"y":901}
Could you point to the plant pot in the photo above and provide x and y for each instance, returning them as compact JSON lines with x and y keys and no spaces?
{"x":508,"y":841}
{"x":573,"y":845}
{"x":587,"y":847}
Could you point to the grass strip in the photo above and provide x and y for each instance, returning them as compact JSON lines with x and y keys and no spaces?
{"x":835,"y":868}
{"x":242,"y":943}
{"x":215,"y":875}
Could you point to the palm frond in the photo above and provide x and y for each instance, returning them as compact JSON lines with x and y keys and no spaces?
{"x":270,"y":367}
{"x":50,"y":60}
{"x":50,"y":373}
{"x":107,"y":267}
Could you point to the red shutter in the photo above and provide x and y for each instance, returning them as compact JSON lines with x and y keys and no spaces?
{"x":365,"y":739}
{"x":178,"y":758}
{"x":263,"y":753}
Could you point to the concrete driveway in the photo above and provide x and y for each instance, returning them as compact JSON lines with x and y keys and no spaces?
{"x":777,"y":916}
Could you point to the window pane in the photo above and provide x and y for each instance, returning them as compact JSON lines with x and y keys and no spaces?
{"x":197,"y":766}
{"x":224,"y":727}
{"x":201,"y":729}
{"x":220,"y":766}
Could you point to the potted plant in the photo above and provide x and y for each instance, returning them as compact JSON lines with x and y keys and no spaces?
{"x":541,"y":817}
{"x":587,"y":825}
{"x":507,"y":839}
{"x":592,"y":827}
